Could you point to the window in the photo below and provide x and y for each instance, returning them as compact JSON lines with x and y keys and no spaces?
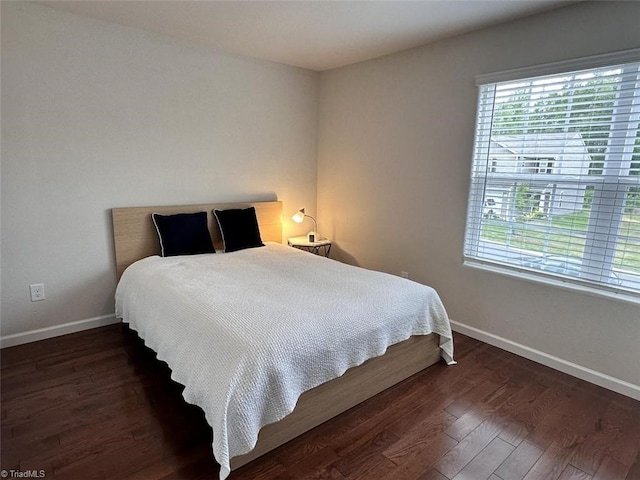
{"x":555,"y":180}
{"x":537,"y":165}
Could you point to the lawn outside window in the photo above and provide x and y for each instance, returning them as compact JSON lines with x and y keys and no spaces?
{"x":555,"y":180}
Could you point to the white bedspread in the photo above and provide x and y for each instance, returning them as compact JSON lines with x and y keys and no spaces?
{"x":248,"y":332}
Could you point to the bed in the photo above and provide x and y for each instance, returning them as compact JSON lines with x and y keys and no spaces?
{"x":273,"y":349}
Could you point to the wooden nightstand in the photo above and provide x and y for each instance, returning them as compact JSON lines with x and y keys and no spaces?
{"x":321,"y":247}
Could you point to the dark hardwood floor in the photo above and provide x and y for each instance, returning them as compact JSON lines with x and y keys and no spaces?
{"x":98,"y":405}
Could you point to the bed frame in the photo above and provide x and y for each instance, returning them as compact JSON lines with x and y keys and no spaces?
{"x":135,"y":238}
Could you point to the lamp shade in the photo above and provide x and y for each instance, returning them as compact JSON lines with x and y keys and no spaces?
{"x":298,"y":217}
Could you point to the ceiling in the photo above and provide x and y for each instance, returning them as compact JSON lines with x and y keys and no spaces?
{"x":317,"y":35}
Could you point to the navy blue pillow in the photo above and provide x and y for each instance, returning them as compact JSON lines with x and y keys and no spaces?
{"x":183,"y":234}
{"x":239,"y":228}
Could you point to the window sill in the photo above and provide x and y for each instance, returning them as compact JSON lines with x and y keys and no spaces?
{"x":528,"y":276}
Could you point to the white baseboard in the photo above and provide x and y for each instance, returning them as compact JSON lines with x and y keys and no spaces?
{"x":56,"y":330}
{"x":578,"y":371}
{"x":573,"y":369}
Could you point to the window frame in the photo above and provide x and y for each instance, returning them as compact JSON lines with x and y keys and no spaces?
{"x":592,"y":268}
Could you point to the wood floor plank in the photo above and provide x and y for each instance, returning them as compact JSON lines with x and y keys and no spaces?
{"x":314,"y":464}
{"x":203,"y":468}
{"x":412,"y":407}
{"x":530,"y":414}
{"x":634,"y":470}
{"x":189,"y":464}
{"x":568,"y":416}
{"x":461,"y":405}
{"x":99,"y":405}
{"x":459,"y":456}
{"x":498,"y":407}
{"x":415,"y":441}
{"x":422,"y":417}
{"x":554,"y":460}
{"x":516,"y":465}
{"x":602,"y":441}
{"x":572,"y":473}
{"x":85,"y":411}
{"x":357,"y":421}
{"x":293,"y":452}
{"x":38,"y":403}
{"x":420,"y":458}
{"x":610,"y":469}
{"x":431,"y":474}
{"x":626,"y":448}
{"x":266,"y":468}
{"x":373,"y":465}
{"x":16,"y":387}
{"x":487,"y":461}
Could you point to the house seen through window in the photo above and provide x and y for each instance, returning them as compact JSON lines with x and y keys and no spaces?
{"x":555,"y":181}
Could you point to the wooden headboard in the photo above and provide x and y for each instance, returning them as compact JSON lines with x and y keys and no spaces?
{"x":135,"y":236}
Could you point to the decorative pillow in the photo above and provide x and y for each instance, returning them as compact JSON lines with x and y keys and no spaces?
{"x":183,"y":234}
{"x":239,"y":228}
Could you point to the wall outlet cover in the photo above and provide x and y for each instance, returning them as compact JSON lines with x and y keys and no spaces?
{"x":37,"y":292}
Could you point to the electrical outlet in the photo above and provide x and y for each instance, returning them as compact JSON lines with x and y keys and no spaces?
{"x":37,"y":292}
{"x":404,"y":274}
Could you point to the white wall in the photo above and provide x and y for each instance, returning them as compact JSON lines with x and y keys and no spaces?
{"x":395,"y":146}
{"x":96,"y":116}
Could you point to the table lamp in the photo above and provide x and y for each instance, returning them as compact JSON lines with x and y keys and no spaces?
{"x":298,"y":217}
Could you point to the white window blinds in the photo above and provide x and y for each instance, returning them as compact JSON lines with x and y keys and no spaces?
{"x":555,"y":181}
